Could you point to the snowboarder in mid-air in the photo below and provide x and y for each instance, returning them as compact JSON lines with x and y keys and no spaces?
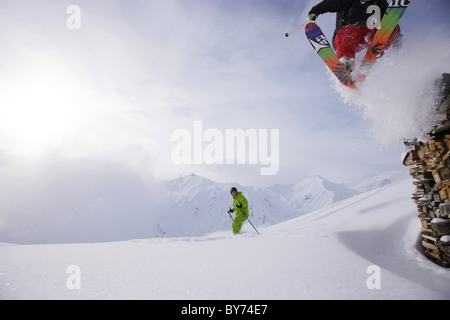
{"x":240,"y":207}
{"x":354,"y":29}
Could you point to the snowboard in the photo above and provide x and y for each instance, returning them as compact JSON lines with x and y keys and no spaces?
{"x":326,"y":52}
{"x":390,"y":20}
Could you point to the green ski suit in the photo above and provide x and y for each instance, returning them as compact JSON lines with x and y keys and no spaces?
{"x":241,"y":213}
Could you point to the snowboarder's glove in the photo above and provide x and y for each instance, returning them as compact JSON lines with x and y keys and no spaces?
{"x":312,"y":17}
{"x":230,"y":210}
{"x":239,"y":205}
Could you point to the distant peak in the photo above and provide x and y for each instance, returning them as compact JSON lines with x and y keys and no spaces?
{"x":314,"y":178}
{"x":194,"y":178}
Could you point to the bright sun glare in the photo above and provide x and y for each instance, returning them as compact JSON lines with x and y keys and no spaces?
{"x":37,"y":115}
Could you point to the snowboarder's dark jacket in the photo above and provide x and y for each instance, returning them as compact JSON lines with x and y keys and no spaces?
{"x":349,"y":11}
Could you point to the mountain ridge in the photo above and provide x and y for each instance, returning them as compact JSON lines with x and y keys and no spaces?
{"x":104,"y":205}
{"x":199,"y":205}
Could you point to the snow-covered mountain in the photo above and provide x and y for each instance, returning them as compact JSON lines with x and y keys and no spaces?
{"x":381,"y":180}
{"x":108,"y":205}
{"x":199,"y":205}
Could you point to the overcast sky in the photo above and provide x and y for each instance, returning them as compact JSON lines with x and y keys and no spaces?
{"x":117,"y":89}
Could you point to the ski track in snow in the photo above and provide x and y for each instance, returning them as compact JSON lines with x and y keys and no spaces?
{"x":321,"y":255}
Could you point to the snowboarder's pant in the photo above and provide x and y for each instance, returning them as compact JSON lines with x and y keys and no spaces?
{"x":351,"y":39}
{"x":238,"y":221}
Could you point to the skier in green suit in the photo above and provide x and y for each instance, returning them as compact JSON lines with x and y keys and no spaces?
{"x":240,"y":207}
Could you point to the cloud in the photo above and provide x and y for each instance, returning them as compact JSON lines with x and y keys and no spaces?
{"x":137,"y":71}
{"x":77,"y":201}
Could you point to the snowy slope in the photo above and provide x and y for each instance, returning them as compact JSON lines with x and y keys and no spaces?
{"x":321,"y":255}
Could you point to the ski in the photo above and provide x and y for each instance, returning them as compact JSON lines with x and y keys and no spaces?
{"x":326,"y":52}
{"x":390,"y":20}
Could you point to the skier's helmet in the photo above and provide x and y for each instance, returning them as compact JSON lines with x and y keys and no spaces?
{"x":233,"y":189}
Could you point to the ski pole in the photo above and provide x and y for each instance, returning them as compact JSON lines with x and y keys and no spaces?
{"x":249,"y":220}
{"x":289,"y":33}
